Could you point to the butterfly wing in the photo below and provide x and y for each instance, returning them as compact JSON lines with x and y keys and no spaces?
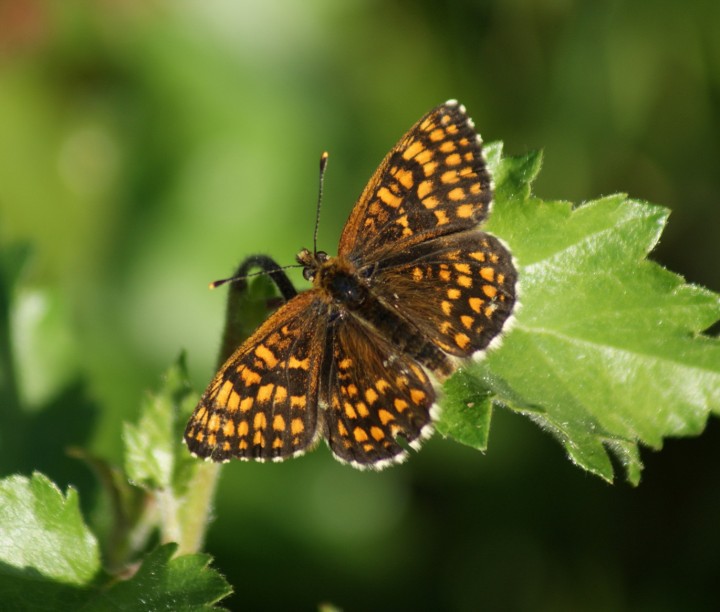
{"x":459,"y":290}
{"x":433,"y":182}
{"x":262,"y":404}
{"x":372,"y":395}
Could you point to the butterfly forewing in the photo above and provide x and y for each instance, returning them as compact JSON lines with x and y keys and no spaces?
{"x":262,"y":404}
{"x":433,"y":182}
{"x":374,"y":395}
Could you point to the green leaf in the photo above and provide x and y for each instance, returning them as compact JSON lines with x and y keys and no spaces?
{"x":157,"y":460}
{"x":49,"y":560}
{"x":27,"y":592}
{"x":466,"y":411}
{"x":181,"y":584}
{"x":606,"y":351}
{"x":42,"y":533}
{"x":154,"y":455}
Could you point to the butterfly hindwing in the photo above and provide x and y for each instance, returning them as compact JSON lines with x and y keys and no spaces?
{"x":373,"y":395}
{"x":459,"y":289}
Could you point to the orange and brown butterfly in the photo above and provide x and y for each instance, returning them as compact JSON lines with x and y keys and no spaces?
{"x":415,"y":288}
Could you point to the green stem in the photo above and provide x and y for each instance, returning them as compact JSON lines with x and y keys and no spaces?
{"x":196,"y":512}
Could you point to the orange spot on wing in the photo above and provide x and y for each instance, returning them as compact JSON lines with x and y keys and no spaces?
{"x":297,"y":426}
{"x":382,"y":385}
{"x":424,"y":189}
{"x":389,"y":198}
{"x":371,"y":396}
{"x":449,"y":177}
{"x":462,"y":340}
{"x":405,"y":178}
{"x":246,"y":403}
{"x":349,"y":410}
{"x":266,"y":355}
{"x":385,"y":416}
{"x":442,"y":218}
{"x":400,"y":404}
{"x":413,"y":150}
{"x":418,"y":396}
{"x":424,"y":157}
{"x":377,"y":433}
{"x":224,"y":393}
{"x":360,"y":434}
{"x":233,"y":401}
{"x":264,"y":393}
{"x":299,"y":364}
{"x":249,"y":377}
{"x":260,"y":421}
{"x":489,"y":274}
{"x":457,"y":194}
{"x":465,"y":211}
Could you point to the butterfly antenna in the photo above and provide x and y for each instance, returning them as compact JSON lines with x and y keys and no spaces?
{"x":323,"y":165}
{"x":269,"y":271}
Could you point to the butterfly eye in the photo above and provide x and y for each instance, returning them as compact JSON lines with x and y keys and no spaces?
{"x":321,"y":256}
{"x":308,"y":273}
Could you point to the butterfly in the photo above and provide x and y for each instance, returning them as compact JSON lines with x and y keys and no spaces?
{"x":415,"y":289}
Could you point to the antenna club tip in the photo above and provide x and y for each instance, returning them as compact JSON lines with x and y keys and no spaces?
{"x":323,"y":159}
{"x":215,"y":284}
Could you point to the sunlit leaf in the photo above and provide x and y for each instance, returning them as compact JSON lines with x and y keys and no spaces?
{"x":606,"y":351}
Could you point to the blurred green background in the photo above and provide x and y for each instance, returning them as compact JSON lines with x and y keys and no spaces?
{"x":147,"y":147}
